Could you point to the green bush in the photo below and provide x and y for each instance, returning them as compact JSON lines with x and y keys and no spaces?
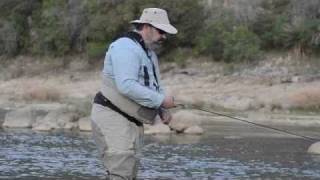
{"x":60,"y":27}
{"x":50,"y":29}
{"x":224,"y":39}
{"x":210,"y":39}
{"x":305,"y":36}
{"x":240,"y":45}
{"x":108,"y":20}
{"x":179,"y":56}
{"x":270,"y":22}
{"x":96,"y":49}
{"x":14,"y":25}
{"x":8,"y":39}
{"x":188,"y":16}
{"x":270,"y":30}
{"x":278,"y":28}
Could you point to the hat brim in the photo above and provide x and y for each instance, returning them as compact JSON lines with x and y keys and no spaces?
{"x":168,"y":28}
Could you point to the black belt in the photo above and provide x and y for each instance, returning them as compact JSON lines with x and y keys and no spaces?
{"x":100,"y":99}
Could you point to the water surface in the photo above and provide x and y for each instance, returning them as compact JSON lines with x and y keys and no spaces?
{"x":226,"y":151}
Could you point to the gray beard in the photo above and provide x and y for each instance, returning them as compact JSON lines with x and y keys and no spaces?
{"x":154,"y":46}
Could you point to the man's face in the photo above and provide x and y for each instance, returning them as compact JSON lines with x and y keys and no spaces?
{"x":155,"y":36}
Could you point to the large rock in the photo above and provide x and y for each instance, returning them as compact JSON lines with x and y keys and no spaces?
{"x":314,"y":148}
{"x":48,"y":123}
{"x":20,"y":118}
{"x":196,"y":130}
{"x":69,"y":121}
{"x":85,"y":124}
{"x":184,"y":119}
{"x":59,"y":119}
{"x":157,"y":128}
{"x":48,"y":107}
{"x":25,"y":117}
{"x":3,"y":112}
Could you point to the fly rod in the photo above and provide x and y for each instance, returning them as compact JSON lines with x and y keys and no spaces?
{"x":249,"y":122}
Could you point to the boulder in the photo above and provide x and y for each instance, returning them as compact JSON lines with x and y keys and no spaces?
{"x":68,"y":120}
{"x":48,"y":107}
{"x":58,"y":119}
{"x":3,"y":113}
{"x":196,"y":130}
{"x":20,"y":118}
{"x":25,"y":117}
{"x":48,"y":123}
{"x":184,"y":119}
{"x":85,"y":124}
{"x":314,"y":148}
{"x":44,"y":126}
{"x":157,"y":128}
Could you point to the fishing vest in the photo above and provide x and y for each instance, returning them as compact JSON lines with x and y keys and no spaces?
{"x":109,"y":90}
{"x":141,"y":113}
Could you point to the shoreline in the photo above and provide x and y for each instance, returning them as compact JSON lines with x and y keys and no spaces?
{"x":81,"y":123}
{"x":278,"y":84}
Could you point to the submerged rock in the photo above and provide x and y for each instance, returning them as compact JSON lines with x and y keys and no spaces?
{"x":314,"y":148}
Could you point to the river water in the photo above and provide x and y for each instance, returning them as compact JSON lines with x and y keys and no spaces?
{"x":225,"y":151}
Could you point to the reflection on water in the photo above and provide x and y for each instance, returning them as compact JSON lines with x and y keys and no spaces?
{"x":30,"y":155}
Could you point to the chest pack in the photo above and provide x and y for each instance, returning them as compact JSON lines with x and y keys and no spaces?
{"x":138,"y":39}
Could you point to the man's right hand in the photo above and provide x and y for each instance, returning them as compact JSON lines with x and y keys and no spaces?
{"x":168,"y":102}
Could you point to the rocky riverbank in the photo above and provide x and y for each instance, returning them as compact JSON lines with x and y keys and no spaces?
{"x":57,"y":96}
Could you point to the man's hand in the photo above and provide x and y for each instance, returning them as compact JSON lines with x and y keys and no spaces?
{"x":165,"y":116}
{"x":168,"y":102}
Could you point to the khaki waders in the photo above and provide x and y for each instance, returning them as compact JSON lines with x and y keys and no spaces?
{"x":119,"y":142}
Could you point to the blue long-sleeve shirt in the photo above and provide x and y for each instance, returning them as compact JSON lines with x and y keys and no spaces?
{"x":129,"y":66}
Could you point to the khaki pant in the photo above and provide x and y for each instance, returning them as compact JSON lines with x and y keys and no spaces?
{"x":119,"y":142}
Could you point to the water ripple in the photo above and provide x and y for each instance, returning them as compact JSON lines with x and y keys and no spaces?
{"x":28,"y":155}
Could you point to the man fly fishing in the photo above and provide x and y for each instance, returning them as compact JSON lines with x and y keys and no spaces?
{"x":131,"y":94}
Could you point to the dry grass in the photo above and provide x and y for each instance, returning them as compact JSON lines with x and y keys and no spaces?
{"x":36,"y":91}
{"x":306,"y":98}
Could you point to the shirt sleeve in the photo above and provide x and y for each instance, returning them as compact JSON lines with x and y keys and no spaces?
{"x":126,"y":66}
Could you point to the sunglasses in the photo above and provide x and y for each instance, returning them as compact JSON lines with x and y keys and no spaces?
{"x":160,"y":31}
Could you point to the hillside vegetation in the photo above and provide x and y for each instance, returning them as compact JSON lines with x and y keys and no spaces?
{"x":221,"y":31}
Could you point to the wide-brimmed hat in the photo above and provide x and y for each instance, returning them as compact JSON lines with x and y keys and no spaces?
{"x":158,"y":18}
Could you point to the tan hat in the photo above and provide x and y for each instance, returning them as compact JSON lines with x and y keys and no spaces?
{"x":158,"y":18}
